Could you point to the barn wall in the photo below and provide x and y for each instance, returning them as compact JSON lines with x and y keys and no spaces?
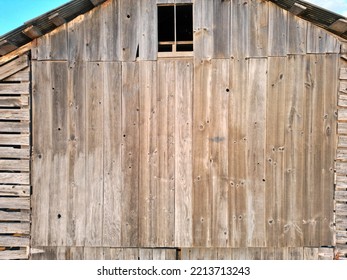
{"x":233,"y":147}
{"x":15,"y":158}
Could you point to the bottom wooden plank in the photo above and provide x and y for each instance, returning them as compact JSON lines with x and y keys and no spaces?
{"x":14,"y":254}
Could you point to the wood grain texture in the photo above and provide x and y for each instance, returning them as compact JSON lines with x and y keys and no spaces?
{"x":166,"y":153}
{"x":94,"y":153}
{"x":148,"y":183}
{"x":42,"y":152}
{"x":112,"y":138}
{"x":13,"y":67}
{"x":183,"y":153}
{"x":130,"y":154}
{"x":255,"y":147}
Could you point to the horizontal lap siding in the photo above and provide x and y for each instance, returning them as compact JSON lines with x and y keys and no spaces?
{"x":15,"y":159}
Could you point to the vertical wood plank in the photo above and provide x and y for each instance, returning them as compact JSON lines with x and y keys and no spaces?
{"x":329,"y":140}
{"x":166,"y":153}
{"x":76,"y":153}
{"x":94,"y":153}
{"x":221,"y":29}
{"x":42,"y":152}
{"x":130,"y":154}
{"x":255,"y":145}
{"x":258,"y":28}
{"x":203,"y":29}
{"x":297,"y":35}
{"x":58,"y":192}
{"x":320,"y":41}
{"x":277,"y":31}
{"x":218,"y":157}
{"x":294,"y":152}
{"x":76,"y":37}
{"x":148,"y":182}
{"x":110,"y":17}
{"x":112,"y":200}
{"x":53,"y":46}
{"x":95,"y":40}
{"x":129,"y":13}
{"x":237,"y":152}
{"x":202,"y":193}
{"x":240,"y":21}
{"x":275,"y":118}
{"x":148,"y":36}
{"x":183,"y":153}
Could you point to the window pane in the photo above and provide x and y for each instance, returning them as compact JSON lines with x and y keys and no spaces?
{"x":166,"y":23}
{"x":184,"y":48}
{"x":184,"y":21}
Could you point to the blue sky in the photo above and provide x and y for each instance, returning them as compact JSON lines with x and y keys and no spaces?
{"x":13,"y":13}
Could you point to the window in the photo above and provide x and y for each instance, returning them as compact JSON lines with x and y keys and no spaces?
{"x":175,"y":28}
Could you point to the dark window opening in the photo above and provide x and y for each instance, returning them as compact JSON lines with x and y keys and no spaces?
{"x":175,"y":28}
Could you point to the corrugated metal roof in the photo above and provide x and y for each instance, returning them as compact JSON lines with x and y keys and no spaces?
{"x":43,"y":24}
{"x":317,"y":15}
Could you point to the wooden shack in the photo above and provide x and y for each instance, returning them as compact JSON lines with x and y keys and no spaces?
{"x":174,"y":129}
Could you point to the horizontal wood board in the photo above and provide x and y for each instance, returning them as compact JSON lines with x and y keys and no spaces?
{"x":15,"y":159}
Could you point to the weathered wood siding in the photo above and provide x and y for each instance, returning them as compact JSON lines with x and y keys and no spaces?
{"x":15,"y":159}
{"x":233,"y":147}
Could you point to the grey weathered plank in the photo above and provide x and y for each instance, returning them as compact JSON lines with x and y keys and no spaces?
{"x":341,"y":196}
{"x":218,"y":155}
{"x":22,"y":215}
{"x":19,"y":228}
{"x":221,"y":29}
{"x":13,"y":67}
{"x":202,"y":193}
{"x":14,"y":165}
{"x":10,"y":89}
{"x":343,"y":73}
{"x":15,"y":178}
{"x":130,"y":154}
{"x":14,"y":190}
{"x":76,"y":44}
{"x":94,"y":153}
{"x":297,"y":35}
{"x":183,"y":153}
{"x":41,"y":152}
{"x":76,"y":153}
{"x":237,"y":152}
{"x":14,"y":254}
{"x":11,"y":101}
{"x":58,"y":192}
{"x":14,"y":114}
{"x":148,"y":184}
{"x":320,"y":41}
{"x":129,"y":13}
{"x":21,"y":76}
{"x":275,"y":140}
{"x":258,"y":28}
{"x":94,"y":35}
{"x":10,"y":152}
{"x":328,"y":140}
{"x":166,"y":153}
{"x":255,"y":145}
{"x":110,"y":16}
{"x":342,"y":100}
{"x":240,"y":21}
{"x":112,"y":156}
{"x":148,"y":47}
{"x":203,"y":29}
{"x":15,"y":202}
{"x":278,"y":26}
{"x":53,"y":46}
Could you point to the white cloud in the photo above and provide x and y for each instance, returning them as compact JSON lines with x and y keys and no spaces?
{"x":337,"y":6}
